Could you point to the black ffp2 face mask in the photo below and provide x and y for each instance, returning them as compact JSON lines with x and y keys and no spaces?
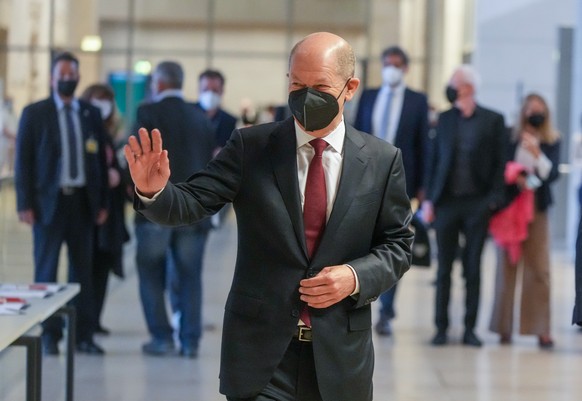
{"x":536,"y":120}
{"x":67,"y":87}
{"x":452,"y":94}
{"x":314,"y":109}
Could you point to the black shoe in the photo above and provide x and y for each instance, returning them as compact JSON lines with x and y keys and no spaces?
{"x":189,"y":352}
{"x":471,"y":339}
{"x":102,"y":331}
{"x":383,"y":327}
{"x":89,"y":347}
{"x":159,"y":347}
{"x":50,"y":347}
{"x":440,"y":338}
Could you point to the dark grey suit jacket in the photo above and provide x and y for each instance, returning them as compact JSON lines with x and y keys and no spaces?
{"x":488,"y":149}
{"x":368,"y":229}
{"x":38,"y":159}
{"x":188,"y":137}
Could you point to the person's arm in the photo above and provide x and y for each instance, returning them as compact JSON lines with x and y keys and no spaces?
{"x":204,"y":194}
{"x":103,"y":141}
{"x":24,"y":176}
{"x":501,"y":137}
{"x":391,"y":252}
{"x":547,"y":163}
{"x":421,"y":149}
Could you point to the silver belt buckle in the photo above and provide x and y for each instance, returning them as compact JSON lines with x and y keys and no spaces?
{"x":305,"y":334}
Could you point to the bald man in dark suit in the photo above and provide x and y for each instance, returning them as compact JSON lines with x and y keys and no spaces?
{"x":323,"y":227}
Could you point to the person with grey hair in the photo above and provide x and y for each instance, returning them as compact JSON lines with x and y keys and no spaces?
{"x":190,"y":139}
{"x":323,"y":229}
{"x":465,"y":184}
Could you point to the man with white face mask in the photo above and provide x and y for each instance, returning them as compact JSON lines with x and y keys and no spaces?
{"x":398,"y":115}
{"x":210,"y":91}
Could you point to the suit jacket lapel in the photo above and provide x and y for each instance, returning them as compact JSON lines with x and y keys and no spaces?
{"x":84,"y":115}
{"x":284,"y":160}
{"x":354,"y":165}
{"x":53,"y":128}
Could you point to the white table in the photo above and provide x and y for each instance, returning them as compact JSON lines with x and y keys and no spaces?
{"x":15,"y":328}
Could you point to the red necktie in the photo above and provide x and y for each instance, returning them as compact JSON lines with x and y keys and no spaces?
{"x":314,"y":207}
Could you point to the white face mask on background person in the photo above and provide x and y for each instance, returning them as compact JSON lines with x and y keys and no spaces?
{"x":209,"y":100}
{"x":391,"y":75}
{"x":105,"y":106}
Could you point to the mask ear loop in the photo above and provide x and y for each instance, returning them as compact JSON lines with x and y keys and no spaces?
{"x":342,"y":91}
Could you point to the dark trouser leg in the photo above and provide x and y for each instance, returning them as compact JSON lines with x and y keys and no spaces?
{"x":100,"y":279}
{"x":294,"y":379}
{"x":447,"y":227}
{"x":47,"y":245}
{"x":79,"y":237}
{"x":475,"y":231}
{"x":577,"y":313}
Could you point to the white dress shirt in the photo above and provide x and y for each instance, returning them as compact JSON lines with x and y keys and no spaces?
{"x":66,"y":179}
{"x":332,"y":161}
{"x":395,"y":111}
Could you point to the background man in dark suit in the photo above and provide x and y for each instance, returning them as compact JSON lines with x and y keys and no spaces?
{"x":61,"y":190}
{"x":190,"y":139}
{"x":210,"y":92}
{"x":465,"y":185}
{"x":398,"y":115}
{"x":297,"y":321}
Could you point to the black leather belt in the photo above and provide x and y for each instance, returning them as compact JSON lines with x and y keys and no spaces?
{"x":304,"y":334}
{"x":68,"y":191}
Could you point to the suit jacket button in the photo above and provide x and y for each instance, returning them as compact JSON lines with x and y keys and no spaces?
{"x":295,"y":313}
{"x":310,"y":273}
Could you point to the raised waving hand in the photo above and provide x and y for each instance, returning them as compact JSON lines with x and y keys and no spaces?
{"x":148,"y":163}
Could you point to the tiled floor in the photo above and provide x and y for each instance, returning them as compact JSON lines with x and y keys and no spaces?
{"x":407,"y":368}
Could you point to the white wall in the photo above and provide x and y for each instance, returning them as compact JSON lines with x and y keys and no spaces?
{"x":517,"y":43}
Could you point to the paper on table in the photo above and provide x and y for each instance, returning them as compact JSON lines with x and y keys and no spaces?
{"x":12,"y":305}
{"x":29,"y":290}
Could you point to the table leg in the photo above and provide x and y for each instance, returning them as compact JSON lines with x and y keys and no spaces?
{"x":71,"y":318}
{"x":33,"y":346}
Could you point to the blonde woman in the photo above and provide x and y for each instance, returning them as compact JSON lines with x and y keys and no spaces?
{"x":536,"y":147}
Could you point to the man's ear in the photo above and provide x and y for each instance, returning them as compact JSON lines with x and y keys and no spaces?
{"x":352,"y":87}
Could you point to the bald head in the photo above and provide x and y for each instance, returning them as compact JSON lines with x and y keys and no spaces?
{"x":325,"y":48}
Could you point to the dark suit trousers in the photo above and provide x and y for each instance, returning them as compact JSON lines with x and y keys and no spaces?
{"x":467,"y":216}
{"x":294,"y":379}
{"x":72,"y":224}
{"x":577,"y":314}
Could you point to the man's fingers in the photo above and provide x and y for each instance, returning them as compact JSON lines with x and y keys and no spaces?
{"x":134,"y":146}
{"x":164,"y":161}
{"x":146,"y":143}
{"x":129,"y":154}
{"x":156,"y":141}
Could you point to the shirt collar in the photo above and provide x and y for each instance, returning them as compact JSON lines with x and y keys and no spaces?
{"x":61,"y":105}
{"x":169,"y":93}
{"x":335,"y":138}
